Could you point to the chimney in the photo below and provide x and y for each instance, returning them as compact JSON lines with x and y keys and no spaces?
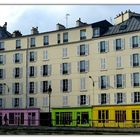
{"x":16,"y":34}
{"x":60,"y":27}
{"x":34,"y":30}
{"x":80,"y":23}
{"x":5,"y":25}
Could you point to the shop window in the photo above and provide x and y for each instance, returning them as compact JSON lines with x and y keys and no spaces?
{"x":103,"y":116}
{"x":135,"y":116}
{"x":120,"y":116}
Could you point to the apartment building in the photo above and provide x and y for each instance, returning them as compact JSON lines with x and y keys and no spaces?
{"x":93,"y":70}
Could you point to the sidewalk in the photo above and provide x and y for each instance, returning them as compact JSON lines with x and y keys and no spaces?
{"x":43,"y":130}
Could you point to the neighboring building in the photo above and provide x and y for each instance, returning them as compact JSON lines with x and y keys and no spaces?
{"x":64,"y":59}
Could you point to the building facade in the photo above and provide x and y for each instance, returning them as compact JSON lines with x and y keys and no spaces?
{"x":93,"y":70}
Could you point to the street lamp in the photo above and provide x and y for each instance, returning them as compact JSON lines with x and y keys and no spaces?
{"x":7,"y":87}
{"x":49,"y":93}
{"x":92,"y":80}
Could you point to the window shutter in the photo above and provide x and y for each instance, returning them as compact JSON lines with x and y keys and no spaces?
{"x":124,"y":97}
{"x":87,"y":49}
{"x":20,"y":102}
{"x":139,"y":59}
{"x":20,"y":58}
{"x":132,"y":80}
{"x":69,"y":85}
{"x":78,"y":66}
{"x":41,"y":70}
{"x":99,"y":47}
{"x":107,"y":46}
{"x":35,"y":87}
{"x":65,"y":100}
{"x":87,"y":66}
{"x":69,"y":68}
{"x":108,"y":81}
{"x":14,"y":72}
{"x":130,"y":41}
{"x":13,"y":88}
{"x":20,"y":88}
{"x":44,"y":55}
{"x":114,"y":45}
{"x":99,"y":82}
{"x":61,"y":68}
{"x":82,"y":83}
{"x":45,"y":101}
{"x":14,"y":58}
{"x":108,"y":98}
{"x":41,"y":86}
{"x":35,"y":71}
{"x":35,"y":101}
{"x":123,"y":43}
{"x":4,"y":89}
{"x":124,"y":80}
{"x":78,"y":50}
{"x":3,"y":102}
{"x":78,"y":100}
{"x":35,"y":56}
{"x":21,"y":72}
{"x":4,"y":59}
{"x":4,"y":73}
{"x":49,"y":82}
{"x":132,"y":97}
{"x":131,"y":60}
{"x":87,"y":100}
{"x":49,"y":69}
{"x":99,"y":99}
{"x":13,"y":102}
{"x":139,"y":41}
{"x":115,"y":98}
{"x":61,"y":85}
{"x":115,"y":82}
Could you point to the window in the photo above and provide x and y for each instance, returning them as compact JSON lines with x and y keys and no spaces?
{"x":103,"y":64}
{"x":135,"y":116}
{"x":65,"y":100}
{"x":118,"y":62}
{"x":33,"y":56}
{"x":82,"y":84}
{"x":66,"y":85}
{"x":119,"y":81}
{"x":45,"y":55}
{"x":46,"y":40}
{"x":2,"y":88}
{"x":46,"y":70}
{"x":58,"y":38}
{"x":96,"y":32}
{"x":123,"y":27}
{"x":119,"y":97}
{"x":18,"y":44}
{"x":32,"y":115}
{"x":45,"y":101}
{"x":17,"y":72}
{"x":32,"y":42}
{"x":120,"y":116}
{"x":2,"y":102}
{"x":118,"y":44}
{"x":104,"y":82}
{"x":103,"y":116}
{"x":65,"y":68}
{"x":16,"y":102}
{"x":83,"y":66}
{"x":16,"y":118}
{"x":103,"y":46}
{"x":135,"y":60}
{"x":83,"y":100}
{"x":33,"y":71}
{"x":2,"y":59}
{"x":103,"y":98}
{"x":83,"y":50}
{"x":82,"y":34}
{"x":1,"y":45}
{"x":45,"y":86}
{"x":135,"y":79}
{"x":65,"y":52}
{"x":65,"y":37}
{"x":136,"y":97}
{"x":32,"y":102}
{"x":135,"y":42}
{"x":31,"y":87}
{"x":17,"y":58}
{"x":2,"y":74}
{"x":16,"y":88}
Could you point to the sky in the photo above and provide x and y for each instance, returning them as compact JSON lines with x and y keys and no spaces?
{"x":45,"y":17}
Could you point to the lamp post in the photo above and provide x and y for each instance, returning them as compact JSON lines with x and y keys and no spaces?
{"x":49,"y":93}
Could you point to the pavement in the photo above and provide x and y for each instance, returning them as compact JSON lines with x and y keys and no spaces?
{"x":43,"y":130}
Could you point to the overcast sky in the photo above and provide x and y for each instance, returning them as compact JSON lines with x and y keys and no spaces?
{"x":24,"y":17}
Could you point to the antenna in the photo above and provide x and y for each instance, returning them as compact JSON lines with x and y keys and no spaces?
{"x":67,"y":20}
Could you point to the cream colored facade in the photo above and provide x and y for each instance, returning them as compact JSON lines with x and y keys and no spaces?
{"x":55,"y":59}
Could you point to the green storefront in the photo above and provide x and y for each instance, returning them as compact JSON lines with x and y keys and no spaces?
{"x":72,"y":116}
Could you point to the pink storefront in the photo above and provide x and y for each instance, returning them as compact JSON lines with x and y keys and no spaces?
{"x":22,"y":117}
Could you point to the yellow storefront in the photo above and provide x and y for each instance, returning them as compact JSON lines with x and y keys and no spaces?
{"x":116,"y":116}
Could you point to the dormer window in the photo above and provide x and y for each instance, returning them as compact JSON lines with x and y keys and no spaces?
{"x":96,"y":32}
